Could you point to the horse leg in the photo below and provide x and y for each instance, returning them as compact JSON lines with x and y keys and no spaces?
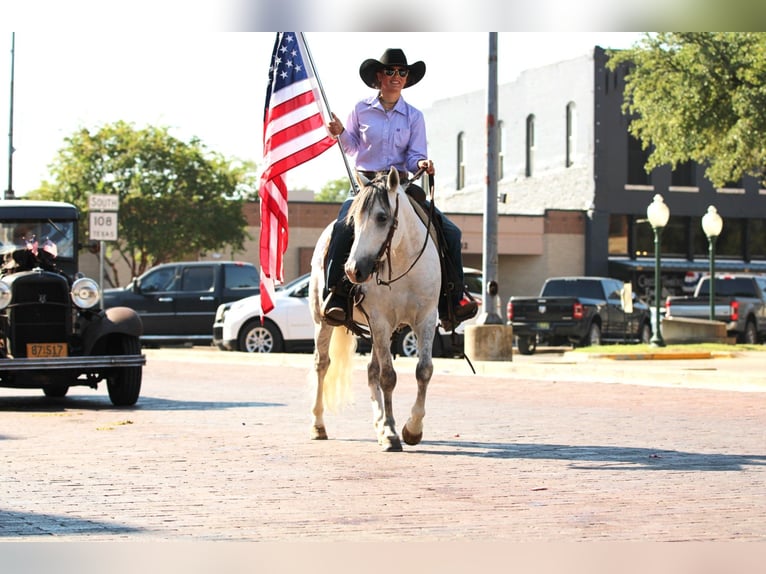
{"x":412,"y":431}
{"x":321,"y":364}
{"x":382,"y":380}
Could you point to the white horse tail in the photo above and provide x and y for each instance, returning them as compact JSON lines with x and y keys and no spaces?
{"x":337,"y":382}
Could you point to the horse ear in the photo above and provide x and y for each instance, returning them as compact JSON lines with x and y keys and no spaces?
{"x":393,"y":178}
{"x":363,"y":181}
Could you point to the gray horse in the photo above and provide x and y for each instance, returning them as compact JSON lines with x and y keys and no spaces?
{"x":395,"y":267}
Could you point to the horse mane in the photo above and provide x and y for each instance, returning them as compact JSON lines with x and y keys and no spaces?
{"x":365,"y":198}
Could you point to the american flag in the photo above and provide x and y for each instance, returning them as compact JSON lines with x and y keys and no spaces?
{"x":293,"y":132}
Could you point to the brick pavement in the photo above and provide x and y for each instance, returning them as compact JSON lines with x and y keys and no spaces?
{"x":218,"y":449}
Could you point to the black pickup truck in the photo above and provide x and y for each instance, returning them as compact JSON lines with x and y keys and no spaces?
{"x":739,"y":301}
{"x":579,"y":311}
{"x":177,"y":301}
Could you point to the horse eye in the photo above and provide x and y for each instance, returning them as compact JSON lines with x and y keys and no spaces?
{"x":381,"y":218}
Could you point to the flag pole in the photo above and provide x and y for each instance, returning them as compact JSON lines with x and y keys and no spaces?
{"x":350,"y":172}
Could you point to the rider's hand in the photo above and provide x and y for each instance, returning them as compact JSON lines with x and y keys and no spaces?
{"x":427,"y":165}
{"x":335,"y":127}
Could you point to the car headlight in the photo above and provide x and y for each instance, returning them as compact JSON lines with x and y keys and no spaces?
{"x":85,"y":293}
{"x":5,"y":295}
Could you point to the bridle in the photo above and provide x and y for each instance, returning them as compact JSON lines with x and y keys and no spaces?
{"x":385,"y":249}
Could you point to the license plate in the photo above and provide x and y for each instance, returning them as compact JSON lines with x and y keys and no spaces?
{"x":543,"y":326}
{"x":46,"y":350}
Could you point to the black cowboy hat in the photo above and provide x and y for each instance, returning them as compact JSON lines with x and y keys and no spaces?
{"x":391,"y":57}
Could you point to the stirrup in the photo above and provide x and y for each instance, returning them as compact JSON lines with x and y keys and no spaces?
{"x":333,"y":311}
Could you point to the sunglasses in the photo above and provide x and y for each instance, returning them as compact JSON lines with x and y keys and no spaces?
{"x":390,"y":72}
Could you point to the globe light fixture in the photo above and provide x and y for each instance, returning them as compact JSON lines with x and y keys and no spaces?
{"x":712,"y":224}
{"x":658,"y":214}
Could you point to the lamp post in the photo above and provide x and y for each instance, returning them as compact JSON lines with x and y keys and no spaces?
{"x":658,"y":214}
{"x":712,"y":225}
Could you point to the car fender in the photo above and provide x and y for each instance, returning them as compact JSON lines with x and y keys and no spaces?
{"x":122,"y":320}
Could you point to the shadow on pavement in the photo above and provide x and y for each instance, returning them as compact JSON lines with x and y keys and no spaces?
{"x":47,"y":525}
{"x":101,"y":403}
{"x":600,"y":457}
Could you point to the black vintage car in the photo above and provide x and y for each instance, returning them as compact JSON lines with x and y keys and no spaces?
{"x":53,"y":333}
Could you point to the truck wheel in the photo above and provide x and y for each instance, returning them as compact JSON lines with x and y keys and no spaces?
{"x":527,"y":345}
{"x":594,"y":335}
{"x":750,"y":336}
{"x":257,"y":338}
{"x":56,"y":391}
{"x":645,"y":335}
{"x":124,"y":384}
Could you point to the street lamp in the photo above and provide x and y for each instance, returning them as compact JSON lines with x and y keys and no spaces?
{"x":658,"y":214}
{"x":712,"y":225}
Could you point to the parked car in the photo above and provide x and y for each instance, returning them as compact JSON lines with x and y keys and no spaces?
{"x":53,"y":333}
{"x":290,"y":328}
{"x":287,"y":328}
{"x":579,"y":311}
{"x":177,"y":301}
{"x":740,"y":302}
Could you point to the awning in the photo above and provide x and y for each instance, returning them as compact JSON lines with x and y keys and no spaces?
{"x":683,"y":265}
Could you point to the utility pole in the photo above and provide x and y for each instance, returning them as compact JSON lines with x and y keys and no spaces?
{"x":9,"y":192}
{"x":490,"y":315}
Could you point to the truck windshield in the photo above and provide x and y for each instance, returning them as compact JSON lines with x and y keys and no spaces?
{"x":18,"y":234}
{"x":729,"y":287}
{"x":586,"y":288}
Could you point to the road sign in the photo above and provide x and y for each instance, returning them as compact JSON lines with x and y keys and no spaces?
{"x":103,"y":202}
{"x":103,"y":226}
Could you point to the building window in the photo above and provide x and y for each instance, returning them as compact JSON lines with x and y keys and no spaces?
{"x":570,"y":134}
{"x":460,"y":183}
{"x":619,"y":233}
{"x":637,"y":158}
{"x":683,"y":177}
{"x":755,"y":239}
{"x":674,"y":241}
{"x":530,"y":147}
{"x":500,"y":150}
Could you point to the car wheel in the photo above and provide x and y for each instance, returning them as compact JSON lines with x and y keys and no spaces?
{"x":646,"y":334}
{"x":257,"y":338}
{"x":124,"y":384}
{"x":407,"y":343}
{"x":527,"y":345}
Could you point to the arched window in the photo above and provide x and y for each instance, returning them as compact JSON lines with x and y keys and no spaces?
{"x":460,"y":183}
{"x":530,"y":147}
{"x":570,"y":134}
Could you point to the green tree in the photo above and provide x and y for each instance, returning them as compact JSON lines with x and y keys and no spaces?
{"x":176,"y":199}
{"x":701,"y":97}
{"x":334,"y":191}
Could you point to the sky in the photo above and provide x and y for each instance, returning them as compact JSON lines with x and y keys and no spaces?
{"x":211,"y":85}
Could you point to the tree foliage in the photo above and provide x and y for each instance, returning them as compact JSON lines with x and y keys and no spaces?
{"x":176,"y":199}
{"x":334,"y":191}
{"x":699,"y":96}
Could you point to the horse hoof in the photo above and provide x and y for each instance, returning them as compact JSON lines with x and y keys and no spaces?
{"x":409,"y":438}
{"x":391,"y":444}
{"x":318,"y":433}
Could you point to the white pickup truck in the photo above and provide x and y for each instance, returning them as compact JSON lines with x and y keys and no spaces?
{"x":739,"y":301}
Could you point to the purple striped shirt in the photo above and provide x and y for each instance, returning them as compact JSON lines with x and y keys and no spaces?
{"x":381,"y":139}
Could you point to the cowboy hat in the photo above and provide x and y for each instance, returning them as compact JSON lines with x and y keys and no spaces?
{"x":391,"y":57}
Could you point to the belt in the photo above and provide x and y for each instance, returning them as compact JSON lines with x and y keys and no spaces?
{"x":371,"y":174}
